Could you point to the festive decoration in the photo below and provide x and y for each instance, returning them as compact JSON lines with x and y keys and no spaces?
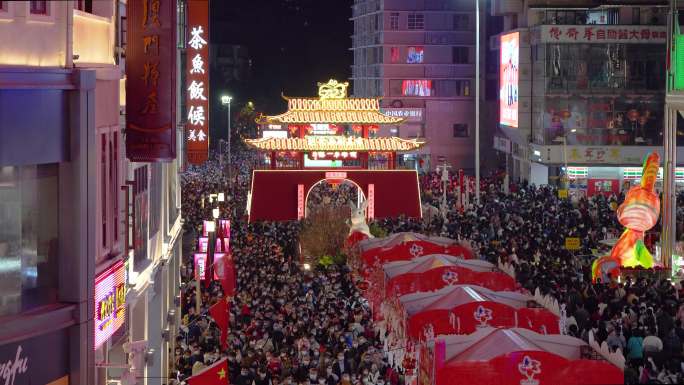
{"x":335,"y":143}
{"x":638,"y":213}
{"x":332,"y":89}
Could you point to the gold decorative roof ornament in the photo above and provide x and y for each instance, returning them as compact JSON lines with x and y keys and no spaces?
{"x":332,"y":90}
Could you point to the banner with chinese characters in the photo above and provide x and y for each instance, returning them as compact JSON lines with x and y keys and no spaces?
{"x":151,"y":80}
{"x":197,"y":82}
{"x":654,"y":34}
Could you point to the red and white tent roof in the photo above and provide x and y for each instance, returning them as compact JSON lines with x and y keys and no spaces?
{"x":432,"y":261}
{"x":452,"y":296}
{"x":488,"y":343}
{"x":399,"y":238}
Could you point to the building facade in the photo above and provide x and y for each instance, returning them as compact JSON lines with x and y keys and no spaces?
{"x":589,"y":91}
{"x":420,"y":58}
{"x":71,"y":204}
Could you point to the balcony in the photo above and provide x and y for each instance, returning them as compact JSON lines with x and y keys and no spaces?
{"x":93,"y":39}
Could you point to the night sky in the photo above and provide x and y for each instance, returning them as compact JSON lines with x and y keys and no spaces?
{"x":292,"y":45}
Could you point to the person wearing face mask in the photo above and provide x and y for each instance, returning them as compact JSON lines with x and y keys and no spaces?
{"x":331,"y":378}
{"x":245,"y":377}
{"x":262,"y":377}
{"x":341,"y":365}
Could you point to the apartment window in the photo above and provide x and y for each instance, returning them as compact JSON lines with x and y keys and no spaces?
{"x":416,"y":21}
{"x":104,"y":214}
{"x":415,"y":55}
{"x":461,"y":22}
{"x":394,"y":54}
{"x":459,"y":55}
{"x":29,"y":237}
{"x":460,"y":130}
{"x":84,"y":5}
{"x":451,"y":88}
{"x":38,"y":7}
{"x":636,"y":15}
{"x":394,"y":21}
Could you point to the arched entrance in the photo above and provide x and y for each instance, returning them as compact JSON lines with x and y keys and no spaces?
{"x":334,"y":194}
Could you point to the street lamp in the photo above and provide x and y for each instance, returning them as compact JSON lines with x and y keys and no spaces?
{"x":477,"y":101}
{"x":225,"y":100}
{"x":564,"y":140}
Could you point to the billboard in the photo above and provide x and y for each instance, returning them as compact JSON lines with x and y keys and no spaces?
{"x":110,"y":301}
{"x":151,"y":80}
{"x":508,"y":79}
{"x":197,"y":79}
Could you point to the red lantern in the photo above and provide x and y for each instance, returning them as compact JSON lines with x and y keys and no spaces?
{"x":373,"y":128}
{"x":566,"y":114}
{"x":309,"y":129}
{"x":357,"y":128}
{"x":632,"y":115}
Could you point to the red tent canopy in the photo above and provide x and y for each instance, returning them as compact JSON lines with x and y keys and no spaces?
{"x":406,"y":246}
{"x":440,"y":277}
{"x":463,"y":309}
{"x":518,"y":356}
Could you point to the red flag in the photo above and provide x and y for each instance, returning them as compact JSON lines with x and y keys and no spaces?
{"x":219,"y":312}
{"x":214,"y":375}
{"x":224,"y":270}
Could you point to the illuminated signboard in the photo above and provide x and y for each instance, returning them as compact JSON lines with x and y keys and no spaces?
{"x":110,"y":302}
{"x":300,"y":201}
{"x":150,"y":80}
{"x":197,"y":83}
{"x":371,"y":201}
{"x":274,"y":134}
{"x":204,"y":244}
{"x":508,"y":79}
{"x":200,"y":265}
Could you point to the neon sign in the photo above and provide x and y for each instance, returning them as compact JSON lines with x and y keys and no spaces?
{"x":110,"y":302}
{"x":198,"y":82}
{"x":508,"y":79}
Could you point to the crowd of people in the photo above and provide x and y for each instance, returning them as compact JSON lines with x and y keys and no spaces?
{"x":289,"y":325}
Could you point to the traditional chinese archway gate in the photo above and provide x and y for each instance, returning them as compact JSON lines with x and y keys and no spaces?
{"x":344,"y":132}
{"x":280,"y":195}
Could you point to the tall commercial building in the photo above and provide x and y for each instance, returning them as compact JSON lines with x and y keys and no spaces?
{"x":419,"y":56}
{"x":583,"y":88}
{"x":74,"y":212}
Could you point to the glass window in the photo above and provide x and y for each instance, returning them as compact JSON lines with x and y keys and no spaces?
{"x":394,"y":54}
{"x":29,"y":231}
{"x":416,"y":21}
{"x":39,"y":7}
{"x":459,"y":55}
{"x":3,"y":6}
{"x":416,"y":88}
{"x":461,"y":22}
{"x":460,"y":130}
{"x":415,"y":55}
{"x":394,"y":21}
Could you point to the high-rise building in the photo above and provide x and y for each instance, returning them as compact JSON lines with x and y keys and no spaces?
{"x":74,"y":212}
{"x":582,"y":89}
{"x":419,"y":56}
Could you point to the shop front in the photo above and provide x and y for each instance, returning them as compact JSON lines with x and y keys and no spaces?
{"x":41,"y":360}
{"x":590,"y":181}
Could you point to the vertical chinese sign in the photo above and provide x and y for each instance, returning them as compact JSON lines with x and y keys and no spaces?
{"x":151,"y":81}
{"x":197,"y":83}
